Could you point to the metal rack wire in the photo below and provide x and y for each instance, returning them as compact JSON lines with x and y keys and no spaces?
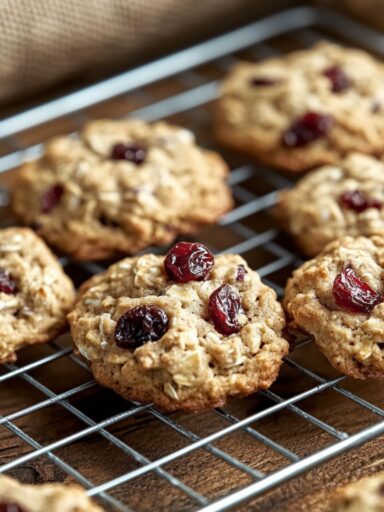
{"x":255,"y":189}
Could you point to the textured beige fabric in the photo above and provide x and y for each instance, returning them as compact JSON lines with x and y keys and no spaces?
{"x":44,"y":42}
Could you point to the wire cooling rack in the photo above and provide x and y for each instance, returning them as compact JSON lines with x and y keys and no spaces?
{"x":61,"y":412}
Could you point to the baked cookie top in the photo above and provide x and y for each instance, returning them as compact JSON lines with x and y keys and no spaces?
{"x":338,"y":298}
{"x":46,"y":497}
{"x":35,"y":294}
{"x":121,"y":186}
{"x":184,"y":339}
{"x":304,"y":109}
{"x":365,"y":495}
{"x":334,"y":201}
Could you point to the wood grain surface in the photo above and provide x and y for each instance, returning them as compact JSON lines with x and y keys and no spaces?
{"x":99,"y":460}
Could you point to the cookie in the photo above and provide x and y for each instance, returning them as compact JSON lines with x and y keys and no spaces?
{"x":185,"y":331}
{"x":337,"y":298}
{"x":305,"y":109}
{"x":35,"y":294}
{"x":119,"y":187}
{"x":365,"y":495}
{"x":335,"y":201}
{"x":17,"y":497}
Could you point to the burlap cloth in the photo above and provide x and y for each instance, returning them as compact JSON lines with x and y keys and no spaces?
{"x":45,"y":42}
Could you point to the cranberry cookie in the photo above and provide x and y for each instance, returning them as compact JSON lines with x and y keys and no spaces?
{"x":17,"y":497}
{"x":185,"y":331}
{"x":335,"y":201}
{"x":304,"y":109}
{"x":35,"y":294}
{"x":365,"y":495}
{"x":338,"y":298}
{"x":120,"y":187}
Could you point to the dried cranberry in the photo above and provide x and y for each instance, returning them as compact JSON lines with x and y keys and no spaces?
{"x":7,"y":283}
{"x":134,"y":153}
{"x":139,"y":325}
{"x":224,"y":307}
{"x":188,"y":261}
{"x":240,"y":273}
{"x":358,"y":201}
{"x":340,"y":81}
{"x":51,"y":197}
{"x":264,"y":81}
{"x":306,"y":129}
{"x":353,"y":294}
{"x":10,"y":507}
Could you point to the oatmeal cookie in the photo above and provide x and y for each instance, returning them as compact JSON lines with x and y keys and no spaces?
{"x":35,"y":294}
{"x":185,"y":331}
{"x":17,"y":497}
{"x":365,"y":495}
{"x":120,"y":187}
{"x":304,"y":109}
{"x":335,"y":201}
{"x":337,"y":298}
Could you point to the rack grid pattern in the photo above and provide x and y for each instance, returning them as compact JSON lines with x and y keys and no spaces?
{"x":197,"y":92}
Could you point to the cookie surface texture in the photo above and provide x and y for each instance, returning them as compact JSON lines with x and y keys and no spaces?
{"x":44,"y":497}
{"x":191,"y":365}
{"x":337,"y":298}
{"x":305,"y":109}
{"x":365,"y":495}
{"x":35,"y":294}
{"x":119,"y":187}
{"x":335,"y":201}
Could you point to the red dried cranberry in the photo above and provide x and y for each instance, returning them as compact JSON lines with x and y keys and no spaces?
{"x":134,"y":153}
{"x":139,"y":325}
{"x":51,"y":197}
{"x":264,"y":81}
{"x":353,"y":294}
{"x":224,"y":307}
{"x":339,"y":80}
{"x":358,"y":201}
{"x":10,"y":507}
{"x":240,"y":274}
{"x":306,"y":129}
{"x":7,"y":282}
{"x":188,"y":261}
